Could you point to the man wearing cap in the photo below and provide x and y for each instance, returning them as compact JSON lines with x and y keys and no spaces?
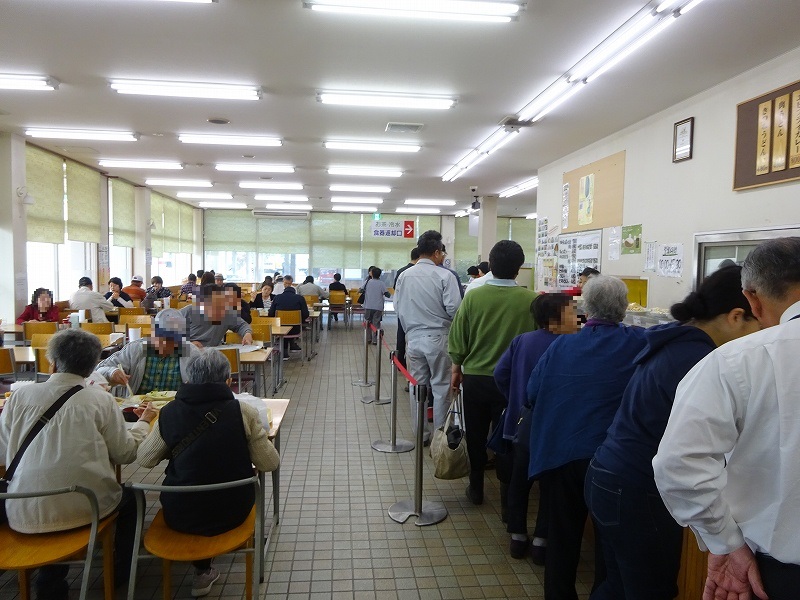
{"x":116,"y":295}
{"x":87,"y":299}
{"x":135,"y":289}
{"x":213,"y":316}
{"x":157,"y":363}
{"x":219,"y":279}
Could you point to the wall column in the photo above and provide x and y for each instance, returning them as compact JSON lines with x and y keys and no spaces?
{"x":487,"y":227}
{"x":449,"y":239}
{"x":13,"y":228}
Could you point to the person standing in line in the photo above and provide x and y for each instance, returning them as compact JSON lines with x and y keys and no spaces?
{"x":485,"y":275}
{"x":374,"y":293}
{"x":641,"y":541}
{"x":727,"y":465}
{"x":482,"y":330}
{"x":401,"y":334}
{"x":426,"y":300}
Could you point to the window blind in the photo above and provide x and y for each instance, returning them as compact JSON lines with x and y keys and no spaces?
{"x":83,"y":203}
{"x":172,"y":225}
{"x":44,"y":178}
{"x":230,"y":230}
{"x":283,"y":236}
{"x":157,"y":218}
{"x":335,"y":241}
{"x":123,"y":207}
{"x":187,"y":228}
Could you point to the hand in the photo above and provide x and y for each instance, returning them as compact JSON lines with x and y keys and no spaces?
{"x":456,"y":378}
{"x":247,"y":339}
{"x":119,"y":377}
{"x":115,"y":295}
{"x":733,"y":576}
{"x":147,"y":412}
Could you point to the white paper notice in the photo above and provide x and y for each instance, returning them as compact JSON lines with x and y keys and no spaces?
{"x":649,"y":256}
{"x":614,"y":242}
{"x":565,"y":206}
{"x":670,"y":260}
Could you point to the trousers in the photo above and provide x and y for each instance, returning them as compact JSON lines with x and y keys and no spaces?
{"x":781,"y":580}
{"x":483,"y":409}
{"x":429,"y":363}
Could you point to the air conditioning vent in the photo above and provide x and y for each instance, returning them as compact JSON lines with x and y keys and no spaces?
{"x":280,"y":214}
{"x":404,"y":127}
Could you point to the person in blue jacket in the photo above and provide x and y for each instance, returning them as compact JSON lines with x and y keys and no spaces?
{"x":554,"y":314}
{"x":641,"y":541}
{"x":575,"y":391}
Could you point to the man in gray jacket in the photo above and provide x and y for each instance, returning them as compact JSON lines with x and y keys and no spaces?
{"x":212,"y":317}
{"x":156,"y":363}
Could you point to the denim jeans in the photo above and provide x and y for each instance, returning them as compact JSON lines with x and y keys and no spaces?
{"x":640,"y":539}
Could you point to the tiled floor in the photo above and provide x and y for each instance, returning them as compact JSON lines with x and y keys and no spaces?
{"x":335,"y":539}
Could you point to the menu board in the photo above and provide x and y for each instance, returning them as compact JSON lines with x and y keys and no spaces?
{"x":576,"y":251}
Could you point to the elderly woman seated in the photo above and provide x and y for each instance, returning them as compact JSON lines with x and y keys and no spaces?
{"x":224,"y":451}
{"x":575,"y":391}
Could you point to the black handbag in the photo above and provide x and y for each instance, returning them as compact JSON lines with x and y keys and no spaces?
{"x":497,"y":443}
{"x":522,"y":439}
{"x":43,"y":420}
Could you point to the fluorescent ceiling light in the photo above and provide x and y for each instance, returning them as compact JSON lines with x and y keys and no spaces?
{"x":457,"y":10}
{"x":142,"y":164}
{"x":371,"y":146}
{"x":571,"y":91}
{"x":205,"y":195}
{"x":82,"y":134}
{"x":664,"y":5}
{"x":281,"y":197}
{"x":466,"y":163}
{"x":418,"y":211}
{"x":350,"y":200}
{"x":254,"y":168}
{"x":354,"y":208}
{"x":367,"y":189}
{"x":198,"y":183}
{"x":222,"y":205}
{"x":229,"y":140}
{"x":520,"y":187}
{"x":546,"y":97}
{"x":462,"y":213}
{"x":376,"y":99}
{"x":364,"y":172}
{"x":192,"y":1}
{"x":34,"y":83}
{"x":288,"y":206}
{"x":421,"y":202}
{"x":270,"y":185}
{"x":689,"y":6}
{"x":531,"y":216}
{"x":182,"y":89}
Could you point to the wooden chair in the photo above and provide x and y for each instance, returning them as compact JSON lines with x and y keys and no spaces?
{"x":8,"y":366}
{"x":40,"y":340}
{"x":232,"y":354}
{"x":37,"y":327}
{"x":337,"y":305}
{"x":171,"y":546}
{"x":132,"y":311}
{"x":231,"y":337}
{"x":143,"y":322}
{"x":311,"y":300}
{"x":291,"y":318}
{"x":179,"y":304}
{"x":98,"y":328}
{"x":271,"y":321}
{"x":137,"y":304}
{"x":23,"y":552}
{"x":355,"y":307}
{"x":41,"y":364}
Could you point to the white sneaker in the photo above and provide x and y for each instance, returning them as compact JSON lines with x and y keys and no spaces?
{"x":203,"y":580}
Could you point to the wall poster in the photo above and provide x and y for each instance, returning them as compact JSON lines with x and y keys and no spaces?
{"x":614,"y":242}
{"x":576,"y":251}
{"x":632,"y":239}
{"x":586,"y":200}
{"x":565,"y":206}
{"x":670,"y":260}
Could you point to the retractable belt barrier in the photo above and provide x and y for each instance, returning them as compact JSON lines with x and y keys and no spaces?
{"x":380,"y":345}
{"x":394,"y":445}
{"x":427,"y":512}
{"x":365,"y":382}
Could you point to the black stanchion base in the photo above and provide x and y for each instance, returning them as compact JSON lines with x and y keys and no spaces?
{"x":398,"y":447}
{"x":431,"y":513}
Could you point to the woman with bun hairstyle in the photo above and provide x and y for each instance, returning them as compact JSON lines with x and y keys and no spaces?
{"x":641,"y":541}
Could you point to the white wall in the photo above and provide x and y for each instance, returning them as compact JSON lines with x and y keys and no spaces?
{"x":673,"y":201}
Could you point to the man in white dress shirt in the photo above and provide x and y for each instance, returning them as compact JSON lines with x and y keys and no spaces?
{"x":87,"y":299}
{"x":728,"y":465}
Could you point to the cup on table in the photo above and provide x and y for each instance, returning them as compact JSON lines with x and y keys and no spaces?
{"x":134,"y":333}
{"x":157,"y":304}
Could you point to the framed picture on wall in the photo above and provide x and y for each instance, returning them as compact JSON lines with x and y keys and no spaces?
{"x":682,"y":140}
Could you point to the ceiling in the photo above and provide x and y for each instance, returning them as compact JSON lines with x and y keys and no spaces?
{"x":493,"y":69}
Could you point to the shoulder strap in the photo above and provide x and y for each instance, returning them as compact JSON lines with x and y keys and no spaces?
{"x":208,"y":420}
{"x":43,"y":420}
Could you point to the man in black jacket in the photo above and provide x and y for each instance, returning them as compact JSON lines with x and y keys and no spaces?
{"x":290,"y":300}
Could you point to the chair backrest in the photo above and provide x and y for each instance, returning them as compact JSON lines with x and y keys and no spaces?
{"x":140,"y":319}
{"x":232,"y":354}
{"x":289,"y":317}
{"x":132,"y":311}
{"x":8,"y":366}
{"x":271,"y":321}
{"x":311,"y":300}
{"x":337,"y":298}
{"x":231,"y":337}
{"x":137,"y":304}
{"x":179,"y":304}
{"x":262,"y":332}
{"x":98,"y":328}
{"x":390,"y":290}
{"x":42,"y":365}
{"x":105,"y":339}
{"x":354,"y":294}
{"x":34,"y":327}
{"x":40,"y":340}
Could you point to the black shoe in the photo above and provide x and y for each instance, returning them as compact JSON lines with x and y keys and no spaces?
{"x":336,"y":318}
{"x":295,"y":348}
{"x":474,"y":497}
{"x":538,"y":555}
{"x":519,"y":548}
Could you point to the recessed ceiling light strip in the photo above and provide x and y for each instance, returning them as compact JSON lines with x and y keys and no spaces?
{"x":364,"y":172}
{"x":366,"y":189}
{"x":33,"y":83}
{"x":457,"y":10}
{"x":205,"y":195}
{"x":281,"y":198}
{"x":82,"y":134}
{"x":520,"y":187}
{"x":254,"y":168}
{"x":196,"y":183}
{"x":239,"y":205}
{"x":354,"y":208}
{"x":417,"y":210}
{"x":371,"y":146}
{"x":271,"y":206}
{"x":141,"y":164}
{"x":229,"y":140}
{"x":385,"y":100}
{"x":270,"y":185}
{"x":351,"y":200}
{"x":424,"y":202}
{"x":182,"y":89}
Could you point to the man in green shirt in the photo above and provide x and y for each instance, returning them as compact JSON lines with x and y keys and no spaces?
{"x":486,"y":322}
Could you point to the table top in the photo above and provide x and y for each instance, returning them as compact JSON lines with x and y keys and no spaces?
{"x":279,"y":407}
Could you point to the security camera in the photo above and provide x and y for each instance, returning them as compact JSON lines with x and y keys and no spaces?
{"x":473,"y":188}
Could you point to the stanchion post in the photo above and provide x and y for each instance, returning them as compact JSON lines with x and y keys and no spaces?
{"x":365,"y":382}
{"x":394,"y":445}
{"x":427,"y":513}
{"x":378,"y":400}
